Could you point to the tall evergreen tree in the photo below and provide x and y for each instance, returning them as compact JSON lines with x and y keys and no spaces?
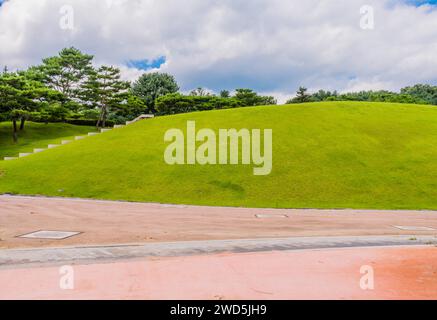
{"x":302,"y":96}
{"x":66,"y":72}
{"x":104,"y":90}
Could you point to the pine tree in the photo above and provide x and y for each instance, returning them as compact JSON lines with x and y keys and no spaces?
{"x":104,"y":90}
{"x":302,"y":95}
{"x":66,"y":72}
{"x":19,"y":97}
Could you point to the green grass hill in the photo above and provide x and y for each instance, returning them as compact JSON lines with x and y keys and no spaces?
{"x":325,"y":155}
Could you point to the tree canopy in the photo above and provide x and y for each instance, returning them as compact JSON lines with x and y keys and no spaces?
{"x":65,"y":72}
{"x":21,"y":97}
{"x":151,"y":86}
{"x":419,"y":94}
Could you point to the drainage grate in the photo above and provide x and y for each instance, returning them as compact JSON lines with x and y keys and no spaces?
{"x":50,"y":235}
{"x":270,"y":216}
{"x":412,"y":228}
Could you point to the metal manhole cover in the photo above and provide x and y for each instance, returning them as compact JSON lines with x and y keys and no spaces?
{"x":270,"y":216}
{"x":413,"y":228}
{"x":49,"y":235}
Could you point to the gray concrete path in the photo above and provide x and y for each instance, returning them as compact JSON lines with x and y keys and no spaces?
{"x":27,"y":257}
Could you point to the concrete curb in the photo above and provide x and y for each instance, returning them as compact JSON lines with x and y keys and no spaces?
{"x":14,"y":257}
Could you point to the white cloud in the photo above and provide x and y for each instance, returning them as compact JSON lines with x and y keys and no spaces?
{"x":269,"y":45}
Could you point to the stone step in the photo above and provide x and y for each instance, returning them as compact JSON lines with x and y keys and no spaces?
{"x":65,"y":142}
{"x":117,"y":126}
{"x":22,"y":155}
{"x":105,"y":130}
{"x":10,"y":158}
{"x":52,"y":146}
{"x":79,"y":138}
{"x":142,"y":117}
{"x":38,"y":150}
{"x":93,"y":134}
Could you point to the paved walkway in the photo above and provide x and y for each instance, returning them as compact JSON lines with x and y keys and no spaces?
{"x":397,"y":273}
{"x":153,"y":251}
{"x":109,"y":222}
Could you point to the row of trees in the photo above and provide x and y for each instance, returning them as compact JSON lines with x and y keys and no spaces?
{"x":201,"y":100}
{"x":68,"y":87}
{"x":418,"y":94}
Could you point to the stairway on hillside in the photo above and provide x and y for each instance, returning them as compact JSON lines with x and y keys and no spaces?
{"x":90,"y":134}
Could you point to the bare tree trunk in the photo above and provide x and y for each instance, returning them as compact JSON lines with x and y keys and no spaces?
{"x":14,"y":135}
{"x":99,"y":122}
{"x":23,"y":120}
{"x":104,"y":119}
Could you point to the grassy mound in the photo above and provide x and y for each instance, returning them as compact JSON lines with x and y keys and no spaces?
{"x":325,"y":155}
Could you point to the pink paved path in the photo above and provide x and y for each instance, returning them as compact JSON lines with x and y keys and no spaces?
{"x":109,"y":222}
{"x":400,"y":273}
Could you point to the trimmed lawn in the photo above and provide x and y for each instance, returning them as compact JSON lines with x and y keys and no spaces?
{"x":36,"y":135}
{"x":325,"y":155}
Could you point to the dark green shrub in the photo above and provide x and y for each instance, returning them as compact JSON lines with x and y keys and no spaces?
{"x":87,"y":122}
{"x":178,"y":103}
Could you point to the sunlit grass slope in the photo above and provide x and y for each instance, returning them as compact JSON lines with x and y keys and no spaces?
{"x":325,"y":155}
{"x":35,"y":136}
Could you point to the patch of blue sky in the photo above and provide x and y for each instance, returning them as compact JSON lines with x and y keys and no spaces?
{"x":419,"y":3}
{"x":146,"y":64}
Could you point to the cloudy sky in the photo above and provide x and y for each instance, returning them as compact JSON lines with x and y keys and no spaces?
{"x":272,"y":46}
